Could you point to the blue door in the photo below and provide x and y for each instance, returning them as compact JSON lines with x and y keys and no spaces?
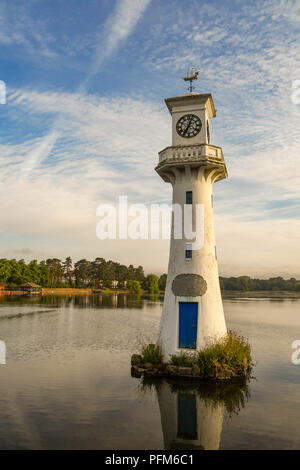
{"x":187,"y":416}
{"x":188,"y":320}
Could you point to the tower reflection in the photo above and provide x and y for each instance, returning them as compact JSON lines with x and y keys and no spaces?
{"x":192,"y":414}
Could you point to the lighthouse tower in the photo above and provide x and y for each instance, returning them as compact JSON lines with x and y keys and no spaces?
{"x":193,"y":311}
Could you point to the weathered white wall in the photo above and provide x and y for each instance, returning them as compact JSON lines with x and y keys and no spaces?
{"x":211,"y":321}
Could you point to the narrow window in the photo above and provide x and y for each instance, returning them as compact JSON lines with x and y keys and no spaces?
{"x":215,"y":251}
{"x":189,"y":197}
{"x":188,"y":251}
{"x":212,"y":201}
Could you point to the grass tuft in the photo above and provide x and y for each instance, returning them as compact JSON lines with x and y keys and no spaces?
{"x":231,"y":354}
{"x":226,"y":358}
{"x":152,"y":353}
{"x":183,"y":359}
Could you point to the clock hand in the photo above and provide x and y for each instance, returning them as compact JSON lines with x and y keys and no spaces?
{"x":186,"y":129}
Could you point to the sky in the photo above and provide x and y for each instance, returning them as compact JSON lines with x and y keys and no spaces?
{"x":85,"y":118}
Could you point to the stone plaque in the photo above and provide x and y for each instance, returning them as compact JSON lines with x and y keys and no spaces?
{"x":189,"y":285}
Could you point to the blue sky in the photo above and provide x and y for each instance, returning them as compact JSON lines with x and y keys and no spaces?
{"x":85,"y":118}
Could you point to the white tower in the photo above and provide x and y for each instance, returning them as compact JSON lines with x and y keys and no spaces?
{"x":193,"y":311}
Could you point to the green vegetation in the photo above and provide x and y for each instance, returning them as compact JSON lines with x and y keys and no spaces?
{"x":225,"y":359}
{"x":102,"y":274}
{"x":99,"y":274}
{"x":152,"y":353}
{"x":228,"y":357}
{"x":162,"y":282}
{"x":151,"y":284}
{"x":183,"y":359}
{"x":245,"y":283}
{"x":134,"y":287}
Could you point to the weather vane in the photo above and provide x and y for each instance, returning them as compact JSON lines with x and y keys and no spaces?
{"x":192,"y":74}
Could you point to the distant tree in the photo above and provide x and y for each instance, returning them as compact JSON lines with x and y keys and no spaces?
{"x":17,"y":273}
{"x":5,"y":270}
{"x":109,"y":273}
{"x":130,"y":272}
{"x":139,"y":274}
{"x":162,"y":282}
{"x":67,"y":266}
{"x":277,"y":283}
{"x":44,"y":280}
{"x":134,"y":286}
{"x":121,"y":275}
{"x":97,"y":271}
{"x":56,"y":271}
{"x":82,"y":272}
{"x":151,"y":284}
{"x":33,"y":272}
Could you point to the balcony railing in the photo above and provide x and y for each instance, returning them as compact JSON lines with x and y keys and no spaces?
{"x":191,"y":153}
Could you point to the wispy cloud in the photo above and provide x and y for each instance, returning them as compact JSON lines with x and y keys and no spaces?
{"x":17,"y":27}
{"x":116,"y":30}
{"x":77,"y":150}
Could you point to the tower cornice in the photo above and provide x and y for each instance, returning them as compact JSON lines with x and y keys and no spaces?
{"x":193,"y":98}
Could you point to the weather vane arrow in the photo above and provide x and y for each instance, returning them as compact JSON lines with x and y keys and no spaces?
{"x":192,"y":74}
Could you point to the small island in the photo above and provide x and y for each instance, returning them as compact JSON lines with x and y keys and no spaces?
{"x":226,"y":359}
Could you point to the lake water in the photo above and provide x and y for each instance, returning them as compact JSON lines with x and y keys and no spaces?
{"x":67,"y":381}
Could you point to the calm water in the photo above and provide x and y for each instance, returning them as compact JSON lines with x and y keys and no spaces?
{"x":67,"y":381}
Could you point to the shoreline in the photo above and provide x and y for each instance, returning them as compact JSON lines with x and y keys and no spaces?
{"x":262,"y":294}
{"x":225,"y":294}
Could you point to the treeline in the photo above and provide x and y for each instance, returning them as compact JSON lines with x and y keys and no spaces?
{"x":246,"y":283}
{"x":101,"y":274}
{"x":82,"y":274}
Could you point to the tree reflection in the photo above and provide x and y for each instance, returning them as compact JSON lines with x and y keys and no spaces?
{"x":80,"y":301}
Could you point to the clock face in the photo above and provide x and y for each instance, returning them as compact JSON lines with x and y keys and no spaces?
{"x":188,"y":125}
